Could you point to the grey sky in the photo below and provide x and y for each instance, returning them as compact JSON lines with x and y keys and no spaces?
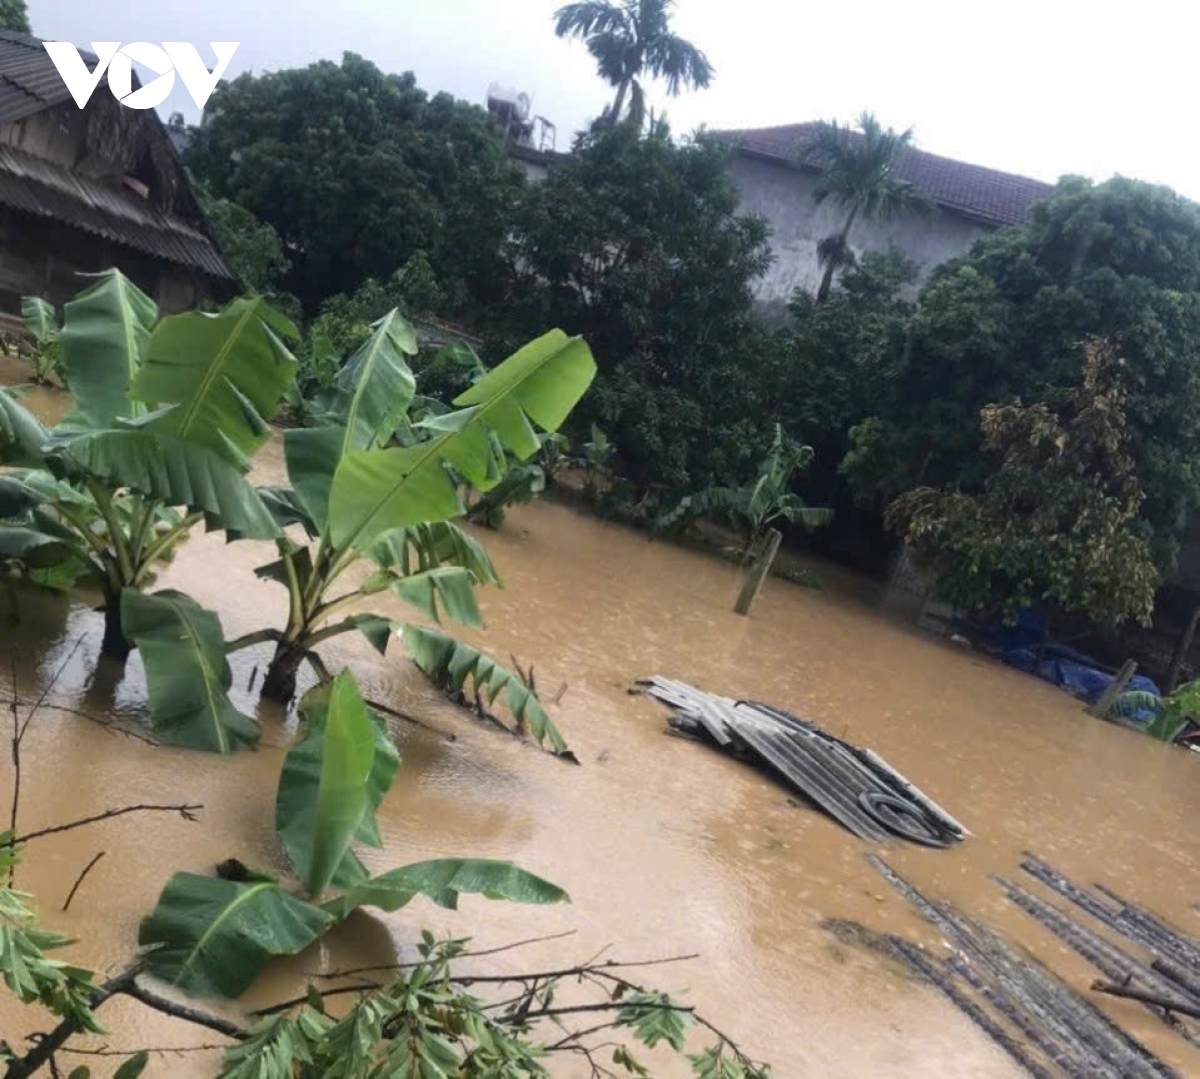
{"x":1040,"y":88}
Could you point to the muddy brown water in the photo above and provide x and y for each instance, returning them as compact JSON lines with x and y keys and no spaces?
{"x":666,"y":847}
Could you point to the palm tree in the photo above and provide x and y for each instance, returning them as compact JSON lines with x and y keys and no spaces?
{"x":630,"y":38}
{"x":860,"y":173}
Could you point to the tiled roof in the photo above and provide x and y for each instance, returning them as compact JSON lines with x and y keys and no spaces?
{"x":29,"y":84}
{"x":996,"y":198}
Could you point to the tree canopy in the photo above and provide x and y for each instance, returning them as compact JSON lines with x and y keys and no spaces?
{"x":1119,"y":260}
{"x":630,"y":39}
{"x":637,"y":244}
{"x":357,"y":171}
{"x":1057,"y":521}
{"x":14,"y":15}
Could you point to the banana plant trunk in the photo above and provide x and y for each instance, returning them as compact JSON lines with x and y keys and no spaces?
{"x":280,"y":682}
{"x":115,"y":644}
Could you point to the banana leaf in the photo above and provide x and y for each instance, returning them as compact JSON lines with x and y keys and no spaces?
{"x":312,"y":456}
{"x":224,"y":372}
{"x":33,"y":548}
{"x":322,"y":795}
{"x":40,"y":319}
{"x":104,"y":335}
{"x":187,"y":676}
{"x":451,"y":664}
{"x":428,"y":546}
{"x":17,"y":497}
{"x":286,"y":509}
{"x":22,"y":435}
{"x":212,"y":937}
{"x":375,"y":491}
{"x":376,"y":385}
{"x":451,"y":588}
{"x":443,"y":880}
{"x":173,"y":470}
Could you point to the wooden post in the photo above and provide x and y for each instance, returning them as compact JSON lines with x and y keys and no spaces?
{"x":1115,"y":688}
{"x":758,"y":572}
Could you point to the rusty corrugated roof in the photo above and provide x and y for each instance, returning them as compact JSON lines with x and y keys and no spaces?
{"x":30,"y":83}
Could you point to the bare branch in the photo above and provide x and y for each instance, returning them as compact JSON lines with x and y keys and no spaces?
{"x":1171,"y":1004}
{"x":182,"y":1011}
{"x":187,"y":812}
{"x":79,"y":880}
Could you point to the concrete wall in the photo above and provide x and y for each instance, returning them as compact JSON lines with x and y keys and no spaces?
{"x":784,"y":196}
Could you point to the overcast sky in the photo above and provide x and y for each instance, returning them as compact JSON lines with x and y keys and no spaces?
{"x":1039,"y":88}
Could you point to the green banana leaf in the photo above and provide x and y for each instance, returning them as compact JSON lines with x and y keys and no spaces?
{"x":187,"y":677}
{"x":40,"y":319}
{"x":376,"y":385}
{"x":22,"y":435}
{"x":312,"y":455}
{"x":212,"y":937}
{"x":375,"y":491}
{"x":428,"y":546}
{"x":104,"y":334}
{"x":443,"y":880}
{"x":323,"y":786}
{"x":17,"y":497}
{"x":224,"y":372}
{"x":451,"y":588}
{"x":452,"y":663}
{"x":35,"y":549}
{"x":285,"y":508}
{"x":175,"y":471}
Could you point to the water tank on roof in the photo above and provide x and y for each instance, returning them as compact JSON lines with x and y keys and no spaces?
{"x":509,"y":102}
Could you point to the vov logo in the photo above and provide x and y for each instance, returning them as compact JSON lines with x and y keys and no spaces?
{"x":174,"y":56}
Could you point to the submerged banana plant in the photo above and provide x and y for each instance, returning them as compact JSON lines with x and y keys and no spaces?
{"x":212,"y":936}
{"x":168,"y":413}
{"x":379,"y":482}
{"x":756,"y":507}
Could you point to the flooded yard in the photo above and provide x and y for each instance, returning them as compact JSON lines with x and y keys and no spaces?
{"x":666,"y":847}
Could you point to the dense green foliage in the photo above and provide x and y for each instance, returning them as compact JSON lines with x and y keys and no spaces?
{"x":1056,"y":524}
{"x":635,"y":243}
{"x":629,"y":40}
{"x":357,"y":171}
{"x":14,"y":15}
{"x":1119,"y":260}
{"x":251,"y":247}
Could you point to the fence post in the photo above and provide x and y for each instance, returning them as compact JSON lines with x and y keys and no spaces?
{"x":757,"y":573}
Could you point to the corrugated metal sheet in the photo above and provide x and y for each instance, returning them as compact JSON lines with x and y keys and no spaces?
{"x":36,"y":186}
{"x":29,"y":81}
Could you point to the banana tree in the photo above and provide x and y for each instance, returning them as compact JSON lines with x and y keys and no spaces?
{"x":167,"y":415}
{"x":754,"y":508}
{"x":212,"y":936}
{"x":42,"y":345}
{"x":361,"y":498}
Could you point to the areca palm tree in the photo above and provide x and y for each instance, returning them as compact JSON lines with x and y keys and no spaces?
{"x":629,"y":39}
{"x":860,"y":172}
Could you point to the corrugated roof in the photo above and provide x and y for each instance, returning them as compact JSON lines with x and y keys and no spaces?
{"x":987,"y":195}
{"x":36,"y":186}
{"x":30,"y":83}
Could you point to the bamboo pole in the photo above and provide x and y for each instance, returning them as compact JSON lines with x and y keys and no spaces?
{"x":1115,"y":688}
{"x":758,"y":571}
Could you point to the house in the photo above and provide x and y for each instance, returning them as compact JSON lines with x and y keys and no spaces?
{"x":85,"y":189}
{"x":971,"y":202}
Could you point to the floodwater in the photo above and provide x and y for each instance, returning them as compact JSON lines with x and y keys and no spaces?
{"x":666,"y":847}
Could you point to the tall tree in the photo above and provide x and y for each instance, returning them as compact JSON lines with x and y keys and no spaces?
{"x":629,"y":39}
{"x":357,"y":171}
{"x":14,"y":16}
{"x":860,"y":172}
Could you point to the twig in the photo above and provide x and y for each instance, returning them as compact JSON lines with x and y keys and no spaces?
{"x":182,"y":1011}
{"x":109,"y":1052}
{"x":15,"y":747}
{"x":395,"y":713}
{"x":1183,"y":1007}
{"x":79,"y":880}
{"x":462,"y":955}
{"x":187,"y":812}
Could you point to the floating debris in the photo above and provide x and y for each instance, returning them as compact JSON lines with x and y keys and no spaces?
{"x":1050,"y":1028}
{"x":858,"y":788}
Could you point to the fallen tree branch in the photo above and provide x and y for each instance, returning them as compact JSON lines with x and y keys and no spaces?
{"x":182,"y":1011}
{"x":1182,"y":1007}
{"x":187,"y":812}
